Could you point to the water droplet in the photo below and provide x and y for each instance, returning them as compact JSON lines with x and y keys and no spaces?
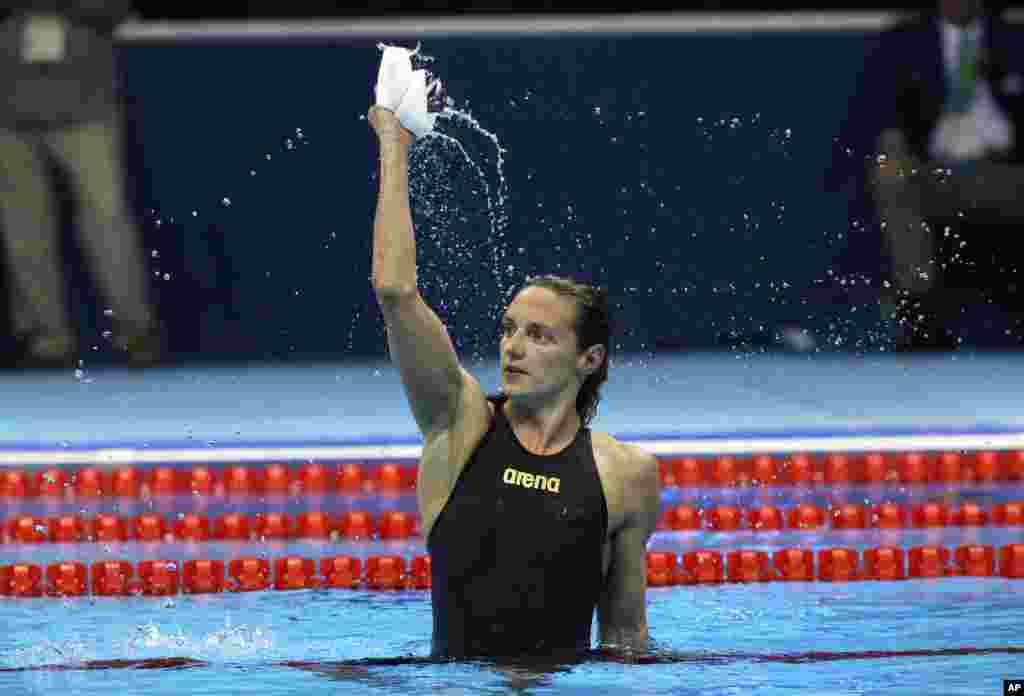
{"x":167,"y":276}
{"x":154,"y":254}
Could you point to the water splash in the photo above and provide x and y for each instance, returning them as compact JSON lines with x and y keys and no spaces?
{"x":444,"y":199}
{"x":450,"y":113}
{"x":229,"y":642}
{"x":150,"y":638}
{"x":480,"y":173}
{"x":494,"y":244}
{"x":234,"y":641}
{"x":73,"y":650}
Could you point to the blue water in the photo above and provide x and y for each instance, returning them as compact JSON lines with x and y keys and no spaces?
{"x":947,"y":636}
{"x":729,"y":639}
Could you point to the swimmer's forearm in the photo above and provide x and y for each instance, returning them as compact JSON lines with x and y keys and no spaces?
{"x":394,"y":241}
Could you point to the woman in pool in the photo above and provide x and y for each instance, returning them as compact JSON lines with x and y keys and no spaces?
{"x":532,"y":520}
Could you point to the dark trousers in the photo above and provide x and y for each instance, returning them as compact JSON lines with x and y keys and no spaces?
{"x":90,"y":154}
{"x":952,"y":237}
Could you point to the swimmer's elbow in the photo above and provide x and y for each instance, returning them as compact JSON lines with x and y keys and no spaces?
{"x":393,"y":293}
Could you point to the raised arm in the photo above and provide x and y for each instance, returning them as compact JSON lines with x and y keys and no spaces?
{"x":418,"y":342}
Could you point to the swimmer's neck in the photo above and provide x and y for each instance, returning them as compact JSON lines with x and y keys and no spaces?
{"x":543,"y":428}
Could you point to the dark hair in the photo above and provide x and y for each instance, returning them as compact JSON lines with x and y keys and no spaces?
{"x":593,"y":326}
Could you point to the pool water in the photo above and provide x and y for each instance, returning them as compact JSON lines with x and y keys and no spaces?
{"x":948,"y":636}
{"x":954,"y":635}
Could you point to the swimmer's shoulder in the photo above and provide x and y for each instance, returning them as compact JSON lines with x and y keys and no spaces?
{"x":629,"y":465}
{"x":629,"y":458}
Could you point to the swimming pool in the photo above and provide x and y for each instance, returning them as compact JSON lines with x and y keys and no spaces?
{"x":738,"y":624}
{"x":729,"y":458}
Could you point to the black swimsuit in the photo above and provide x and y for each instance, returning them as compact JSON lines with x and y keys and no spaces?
{"x":516,"y":551}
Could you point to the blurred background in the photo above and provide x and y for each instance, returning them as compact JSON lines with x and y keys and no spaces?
{"x":731,"y":185}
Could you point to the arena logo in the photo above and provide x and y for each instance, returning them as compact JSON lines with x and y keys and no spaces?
{"x":514,"y":477}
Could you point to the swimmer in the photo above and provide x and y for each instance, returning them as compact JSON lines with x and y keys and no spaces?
{"x":532,"y":520}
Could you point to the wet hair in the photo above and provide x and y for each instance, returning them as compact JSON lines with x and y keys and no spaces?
{"x":593,"y":326}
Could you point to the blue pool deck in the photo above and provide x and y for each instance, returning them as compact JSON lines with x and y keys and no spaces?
{"x":699,"y":403}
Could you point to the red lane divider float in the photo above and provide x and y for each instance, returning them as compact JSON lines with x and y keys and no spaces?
{"x":396,"y":524}
{"x":318,"y":478}
{"x":200,"y":480}
{"x":120,"y":578}
{"x":804,"y":516}
{"x":710,"y":566}
{"x":843,"y":469}
{"x":150,"y":527}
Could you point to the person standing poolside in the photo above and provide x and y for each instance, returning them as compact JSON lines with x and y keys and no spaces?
{"x":532,"y":520}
